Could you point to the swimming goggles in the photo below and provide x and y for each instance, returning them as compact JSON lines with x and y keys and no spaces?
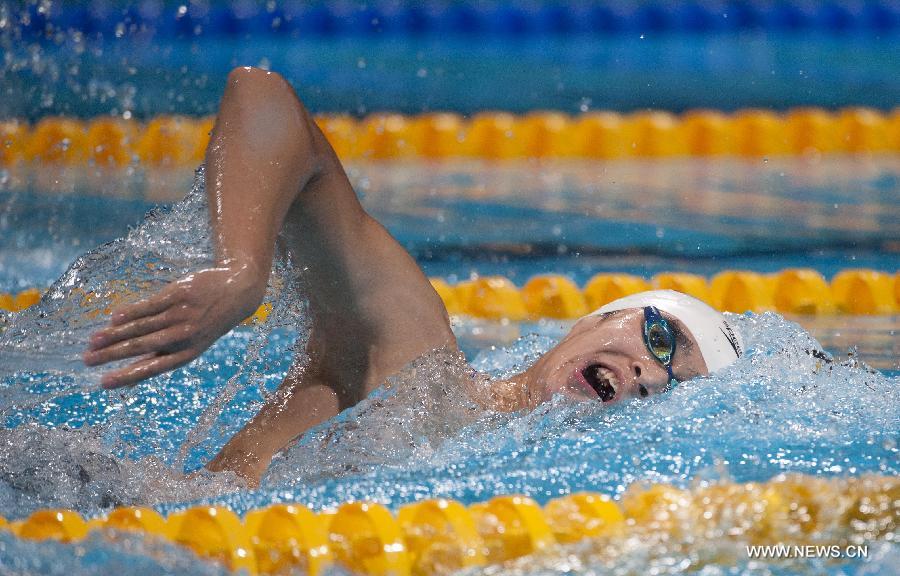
{"x":660,"y":340}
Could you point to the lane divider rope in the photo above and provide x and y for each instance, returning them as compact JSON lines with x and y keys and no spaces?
{"x":503,"y":19}
{"x":800,"y":291}
{"x":176,"y":141}
{"x":442,"y":536}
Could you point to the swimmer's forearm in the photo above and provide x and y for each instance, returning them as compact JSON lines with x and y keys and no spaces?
{"x":264,"y":150}
{"x":291,"y":411}
{"x":259,"y":158}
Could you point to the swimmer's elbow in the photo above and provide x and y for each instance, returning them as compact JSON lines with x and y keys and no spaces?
{"x":273,"y":119}
{"x":262,"y":91}
{"x":255,"y":79}
{"x":261,"y":96}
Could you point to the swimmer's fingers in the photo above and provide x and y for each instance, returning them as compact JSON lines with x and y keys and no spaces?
{"x":134,"y":329}
{"x":168,"y":340}
{"x":149,"y":306}
{"x":146,"y":368}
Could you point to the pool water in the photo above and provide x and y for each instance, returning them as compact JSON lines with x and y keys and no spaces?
{"x":519,"y":219}
{"x":81,"y":75}
{"x":779,"y":410}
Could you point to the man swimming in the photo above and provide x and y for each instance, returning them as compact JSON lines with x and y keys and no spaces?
{"x":271,"y":172}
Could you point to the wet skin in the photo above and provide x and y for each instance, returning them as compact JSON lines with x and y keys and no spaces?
{"x":604,"y":358}
{"x":271,"y":174}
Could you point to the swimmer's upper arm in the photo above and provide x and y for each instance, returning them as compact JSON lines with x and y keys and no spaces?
{"x":261,"y":155}
{"x":373,"y":309}
{"x":279,"y":173}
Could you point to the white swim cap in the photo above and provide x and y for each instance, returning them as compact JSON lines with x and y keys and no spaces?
{"x":719,"y":343}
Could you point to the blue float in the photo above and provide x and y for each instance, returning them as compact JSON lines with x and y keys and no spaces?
{"x":836,"y":17}
{"x":508,"y":20}
{"x":558,"y":19}
{"x":315,"y":20}
{"x":651,"y":18}
{"x":79,"y":18}
{"x":742,"y":15}
{"x":416,"y":20}
{"x":696,"y":17}
{"x":604,"y":20}
{"x":275,"y":21}
{"x":462,"y":18}
{"x":788,"y":16}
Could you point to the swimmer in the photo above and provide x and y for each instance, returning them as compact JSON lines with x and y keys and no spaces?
{"x":271,"y":173}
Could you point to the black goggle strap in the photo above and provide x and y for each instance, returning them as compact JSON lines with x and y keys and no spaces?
{"x":652,"y":317}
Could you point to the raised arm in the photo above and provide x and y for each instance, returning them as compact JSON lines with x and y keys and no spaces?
{"x":261,"y":155}
{"x":270,"y":171}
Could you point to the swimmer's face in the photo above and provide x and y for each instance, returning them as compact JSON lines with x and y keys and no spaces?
{"x":604,"y":358}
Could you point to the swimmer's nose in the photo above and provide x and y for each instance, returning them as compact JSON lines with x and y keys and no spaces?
{"x":639,"y":372}
{"x":637,"y":369}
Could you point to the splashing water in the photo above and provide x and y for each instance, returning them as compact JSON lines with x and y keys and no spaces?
{"x":633,"y":557}
{"x":101,"y":552}
{"x":52,"y":335}
{"x":783,"y":408}
{"x":68,"y":442}
{"x":779,"y":409}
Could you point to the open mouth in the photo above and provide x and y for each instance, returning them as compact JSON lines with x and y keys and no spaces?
{"x":602,"y":380}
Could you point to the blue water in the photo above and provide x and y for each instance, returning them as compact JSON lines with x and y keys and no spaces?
{"x":571,"y":73}
{"x":101,"y":554}
{"x":491,"y":18}
{"x":519,"y":219}
{"x":778,"y":410}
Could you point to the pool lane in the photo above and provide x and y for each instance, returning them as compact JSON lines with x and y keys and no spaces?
{"x":523,"y":218}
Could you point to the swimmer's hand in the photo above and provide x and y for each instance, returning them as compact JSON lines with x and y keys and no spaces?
{"x":177,"y":324}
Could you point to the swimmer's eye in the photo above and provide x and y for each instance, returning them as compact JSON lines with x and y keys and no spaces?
{"x":659,"y":339}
